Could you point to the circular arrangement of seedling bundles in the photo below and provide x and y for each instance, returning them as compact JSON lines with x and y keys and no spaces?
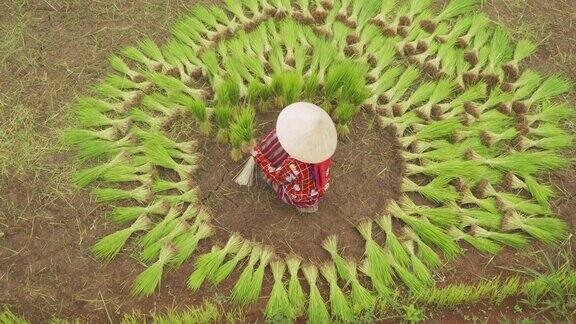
{"x":474,"y":128}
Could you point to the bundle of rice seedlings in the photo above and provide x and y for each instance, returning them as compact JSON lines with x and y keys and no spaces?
{"x":343,"y":113}
{"x":524,"y":48}
{"x":148,"y":280}
{"x":136,"y":54}
{"x":500,"y":52}
{"x":471,"y":94}
{"x":172,"y":85}
{"x":421,"y":94}
{"x":408,"y":278}
{"x":549,"y":112}
{"x":228,"y":93}
{"x":525,"y":84}
{"x":303,"y":13}
{"x":295,"y":293}
{"x":515,"y":240}
{"x":122,"y":83}
{"x":278,"y":306}
{"x":400,"y":125}
{"x":508,"y":201}
{"x":317,"y":311}
{"x":340,"y":309}
{"x":548,"y":230}
{"x":383,"y":16}
{"x":418,"y":268}
{"x":522,"y":162}
{"x":223,"y":115}
{"x":472,"y":216}
{"x":226,"y":269}
{"x":462,"y":26}
{"x":162,"y":104}
{"x":118,"y":64}
{"x":380,"y":58}
{"x":175,"y":228}
{"x":425,"y":253}
{"x":358,"y":44}
{"x":440,"y":216}
{"x":323,"y":56}
{"x":208,"y":263}
{"x":288,"y":88}
{"x":415,"y":9}
{"x":496,"y":97}
{"x":436,"y":190}
{"x":122,"y":215}
{"x":235,"y":7}
{"x":452,"y":9}
{"x":420,"y":40}
{"x":141,"y":194}
{"x":378,"y":267}
{"x":551,"y":87}
{"x":382,"y":291}
{"x":258,"y":276}
{"x":129,"y":173}
{"x":198,"y":30}
{"x":330,"y":244}
{"x":362,"y":13}
{"x":149,"y":135}
{"x":407,"y":78}
{"x":346,"y":81}
{"x":434,"y":130}
{"x":542,"y":193}
{"x":149,"y":121}
{"x":187,"y":242}
{"x":479,"y":60}
{"x":523,"y":143}
{"x":99,"y":105}
{"x":109,"y":246}
{"x":85,"y":177}
{"x":491,"y":138}
{"x":158,"y":155}
{"x":429,"y":233}
{"x":442,"y":91}
{"x":241,"y":289}
{"x":480,"y":243}
{"x":92,"y":117}
{"x":478,"y":24}
{"x":242,"y":131}
{"x":392,"y":242}
{"x":96,"y":148}
{"x":361,"y":300}
{"x":197,"y":108}
{"x":386,"y":81}
{"x":207,"y":16}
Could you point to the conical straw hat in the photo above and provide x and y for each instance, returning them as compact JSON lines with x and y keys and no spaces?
{"x":306,"y":132}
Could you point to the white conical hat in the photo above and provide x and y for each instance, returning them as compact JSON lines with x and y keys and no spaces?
{"x":306,"y":132}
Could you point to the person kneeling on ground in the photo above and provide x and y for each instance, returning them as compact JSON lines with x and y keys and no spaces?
{"x":295,"y":157}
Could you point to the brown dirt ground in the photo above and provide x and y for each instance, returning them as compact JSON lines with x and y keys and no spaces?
{"x":46,"y":268}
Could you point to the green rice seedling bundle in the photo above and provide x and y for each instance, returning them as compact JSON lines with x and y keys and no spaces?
{"x":392,"y":242}
{"x":148,"y":280}
{"x":228,"y":267}
{"x":317,"y":311}
{"x":361,"y":299}
{"x":379,"y":269}
{"x":548,"y":230}
{"x":278,"y":306}
{"x":330,"y":244}
{"x":110,"y":245}
{"x":339,"y":306}
{"x":258,"y":277}
{"x":241,"y":290}
{"x":295,"y":292}
{"x":207,"y":264}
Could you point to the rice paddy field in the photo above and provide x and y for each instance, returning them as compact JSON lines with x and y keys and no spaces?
{"x":124,"y":124}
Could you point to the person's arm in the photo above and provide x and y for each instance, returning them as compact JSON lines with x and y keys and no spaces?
{"x":277,"y":175}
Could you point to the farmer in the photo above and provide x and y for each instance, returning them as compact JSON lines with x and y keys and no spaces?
{"x":295,"y":157}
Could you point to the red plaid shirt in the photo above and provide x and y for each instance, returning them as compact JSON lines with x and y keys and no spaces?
{"x":295,"y":184}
